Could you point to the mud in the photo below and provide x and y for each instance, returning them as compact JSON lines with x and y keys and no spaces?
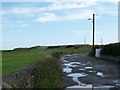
{"x":98,"y":73}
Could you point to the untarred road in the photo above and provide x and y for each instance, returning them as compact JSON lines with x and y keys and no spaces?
{"x":82,"y":70}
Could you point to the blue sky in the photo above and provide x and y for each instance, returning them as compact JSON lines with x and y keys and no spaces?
{"x":27,"y":24}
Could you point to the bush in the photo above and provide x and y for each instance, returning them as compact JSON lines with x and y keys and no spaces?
{"x":92,"y":52}
{"x":35,"y":47}
{"x":47,"y":73}
{"x":20,"y":49}
{"x":69,"y":46}
{"x":111,"y":49}
{"x":53,"y":47}
{"x":57,"y":54}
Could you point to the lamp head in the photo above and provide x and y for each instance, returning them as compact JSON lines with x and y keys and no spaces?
{"x":89,"y":19}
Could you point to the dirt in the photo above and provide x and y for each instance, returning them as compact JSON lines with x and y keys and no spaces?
{"x":101,"y":73}
{"x":24,"y":74}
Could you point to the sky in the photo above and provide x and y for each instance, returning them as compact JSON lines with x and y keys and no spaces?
{"x":27,"y":24}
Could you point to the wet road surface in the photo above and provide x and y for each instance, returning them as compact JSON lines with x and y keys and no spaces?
{"x":86,"y":72}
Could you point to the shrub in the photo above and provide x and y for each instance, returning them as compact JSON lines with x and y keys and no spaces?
{"x":69,"y":46}
{"x":57,"y":54}
{"x":111,"y":49}
{"x":35,"y":47}
{"x":47,"y":73}
{"x":52,"y":47}
{"x":92,"y":51}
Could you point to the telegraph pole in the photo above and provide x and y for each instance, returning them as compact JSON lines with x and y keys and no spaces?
{"x":93,"y":21}
{"x":93,"y":31}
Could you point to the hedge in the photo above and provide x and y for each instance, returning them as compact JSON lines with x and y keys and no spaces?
{"x":111,"y":49}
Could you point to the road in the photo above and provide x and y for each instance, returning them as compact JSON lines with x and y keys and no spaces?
{"x":83,"y":71}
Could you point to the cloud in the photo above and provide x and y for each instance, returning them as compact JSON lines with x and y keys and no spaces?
{"x":53,"y":6}
{"x":107,"y":10}
{"x":70,"y":4}
{"x":51,"y":17}
{"x":112,"y":1}
{"x":79,"y":15}
{"x":23,"y":10}
{"x":67,"y":5}
{"x":31,"y":11}
{"x":48,"y":17}
{"x":59,"y":0}
{"x":29,"y":0}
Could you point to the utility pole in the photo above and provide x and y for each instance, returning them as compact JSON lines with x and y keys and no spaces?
{"x":93,"y":21}
{"x":93,"y":31}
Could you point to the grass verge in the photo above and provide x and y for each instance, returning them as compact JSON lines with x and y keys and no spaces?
{"x":48,"y":73}
{"x":14,"y":60}
{"x":107,"y":59}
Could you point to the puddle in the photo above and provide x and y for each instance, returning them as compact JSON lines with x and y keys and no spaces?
{"x":62,"y":58}
{"x":77,"y":63}
{"x":90,"y":71}
{"x":72,"y":64}
{"x":65,"y":61}
{"x":100,"y":74}
{"x":69,"y":66}
{"x":88,"y":67}
{"x":75,"y":77}
{"x":104,"y":86}
{"x":90,"y":87}
{"x":117,"y":82}
{"x":82,"y":69}
{"x":68,"y":55}
{"x":67,"y":70}
{"x":85,"y":86}
{"x":84,"y":64}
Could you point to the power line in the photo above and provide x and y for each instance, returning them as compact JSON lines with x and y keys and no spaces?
{"x":101,"y":41}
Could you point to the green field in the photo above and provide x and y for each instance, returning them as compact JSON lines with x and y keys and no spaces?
{"x":16,"y":59}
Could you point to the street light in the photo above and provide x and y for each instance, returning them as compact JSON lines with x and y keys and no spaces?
{"x":93,"y":21}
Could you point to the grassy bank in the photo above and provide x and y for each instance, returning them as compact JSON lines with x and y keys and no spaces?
{"x":18,"y":58}
{"x":107,"y":59}
{"x":14,"y":60}
{"x":48,"y":73}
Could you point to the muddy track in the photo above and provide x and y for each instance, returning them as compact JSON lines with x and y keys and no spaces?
{"x":82,"y":70}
